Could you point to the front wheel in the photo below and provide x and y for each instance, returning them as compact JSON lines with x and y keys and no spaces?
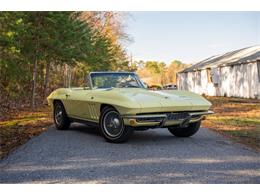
{"x":186,"y":131}
{"x":112,"y":126}
{"x":60,"y":117}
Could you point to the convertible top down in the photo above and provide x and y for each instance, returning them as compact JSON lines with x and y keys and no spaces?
{"x":119,"y":103}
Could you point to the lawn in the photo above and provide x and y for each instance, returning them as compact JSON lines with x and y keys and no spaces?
{"x":236,"y":118}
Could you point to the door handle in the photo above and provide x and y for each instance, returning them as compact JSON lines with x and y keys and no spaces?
{"x":67,"y":95}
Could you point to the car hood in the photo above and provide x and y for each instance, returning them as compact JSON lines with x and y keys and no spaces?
{"x":165,"y":100}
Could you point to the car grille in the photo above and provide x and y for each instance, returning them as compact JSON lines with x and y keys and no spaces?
{"x":177,"y":116}
{"x":152,"y":119}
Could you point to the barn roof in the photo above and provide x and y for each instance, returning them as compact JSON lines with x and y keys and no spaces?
{"x":241,"y":56}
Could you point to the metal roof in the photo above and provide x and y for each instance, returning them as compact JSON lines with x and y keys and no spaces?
{"x":241,"y":56}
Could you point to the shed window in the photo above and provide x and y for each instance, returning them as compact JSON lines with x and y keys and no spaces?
{"x":209,"y":75}
{"x":258,"y":70}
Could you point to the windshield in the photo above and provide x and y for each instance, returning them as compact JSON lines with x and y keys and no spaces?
{"x":116,"y":80}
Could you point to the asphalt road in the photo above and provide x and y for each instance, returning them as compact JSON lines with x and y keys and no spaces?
{"x":80,"y":155}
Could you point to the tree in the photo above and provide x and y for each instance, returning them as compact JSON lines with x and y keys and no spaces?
{"x":37,"y":47}
{"x":158,"y":73}
{"x":111,"y":27}
{"x":172,"y":70}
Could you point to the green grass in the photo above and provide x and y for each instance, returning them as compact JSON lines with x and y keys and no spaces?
{"x":250,"y":137}
{"x":235,"y":121}
{"x":252,"y":133}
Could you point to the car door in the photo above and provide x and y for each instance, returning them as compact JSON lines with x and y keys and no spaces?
{"x":77,"y":103}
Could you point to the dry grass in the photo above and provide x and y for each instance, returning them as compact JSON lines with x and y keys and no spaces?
{"x":18,"y":129}
{"x":237,"y":118}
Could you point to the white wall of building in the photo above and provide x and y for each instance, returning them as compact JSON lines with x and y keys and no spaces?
{"x":231,"y":81}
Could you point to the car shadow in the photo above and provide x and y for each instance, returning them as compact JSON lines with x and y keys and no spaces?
{"x":149,"y":135}
{"x":82,"y":128}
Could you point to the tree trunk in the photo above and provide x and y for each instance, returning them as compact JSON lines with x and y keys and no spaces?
{"x":41,"y":72}
{"x":35,"y":73}
{"x":34,"y":83}
{"x":65,"y":76}
{"x":46,"y":81}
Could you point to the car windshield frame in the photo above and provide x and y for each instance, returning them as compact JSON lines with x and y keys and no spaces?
{"x":100,"y":74}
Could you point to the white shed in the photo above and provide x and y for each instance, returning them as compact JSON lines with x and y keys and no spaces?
{"x":234,"y":74}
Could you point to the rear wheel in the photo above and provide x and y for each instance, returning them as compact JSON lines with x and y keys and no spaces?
{"x":60,"y":117}
{"x":112,"y":126}
{"x":186,"y":131}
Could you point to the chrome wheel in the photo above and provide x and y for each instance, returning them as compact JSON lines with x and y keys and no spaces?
{"x":60,"y":117}
{"x":58,"y":114}
{"x":113,"y":124}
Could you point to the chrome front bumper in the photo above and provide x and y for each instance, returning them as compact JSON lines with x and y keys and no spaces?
{"x":167,"y":119}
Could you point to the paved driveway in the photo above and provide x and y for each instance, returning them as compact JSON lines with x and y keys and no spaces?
{"x":80,"y":155}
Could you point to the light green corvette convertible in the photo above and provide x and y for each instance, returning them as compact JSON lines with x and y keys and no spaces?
{"x":119,"y":103}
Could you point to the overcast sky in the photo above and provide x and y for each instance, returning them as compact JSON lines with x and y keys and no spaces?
{"x":190,"y":36}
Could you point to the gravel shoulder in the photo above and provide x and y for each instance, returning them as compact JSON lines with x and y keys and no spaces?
{"x":80,"y":155}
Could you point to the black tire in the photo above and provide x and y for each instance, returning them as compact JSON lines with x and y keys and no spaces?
{"x":60,"y":117}
{"x":119,"y":132}
{"x":186,"y":131}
